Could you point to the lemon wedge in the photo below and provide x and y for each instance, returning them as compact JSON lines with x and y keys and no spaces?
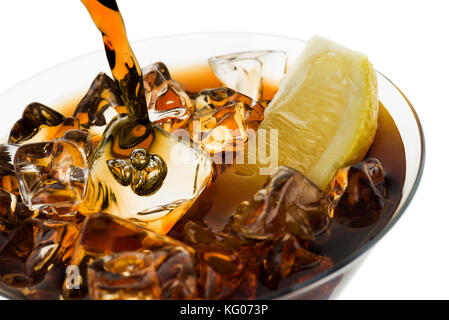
{"x":325,"y":111}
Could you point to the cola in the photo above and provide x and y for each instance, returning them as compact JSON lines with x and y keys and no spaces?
{"x":214,"y":227}
{"x":137,"y":195}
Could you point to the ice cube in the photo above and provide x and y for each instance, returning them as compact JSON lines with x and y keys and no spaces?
{"x":224,"y":119}
{"x":169,"y":106}
{"x":223,"y":273}
{"x":246,"y":72}
{"x":124,"y":276}
{"x":80,"y":137}
{"x":51,"y":175}
{"x":225,"y":268}
{"x":175,"y":270}
{"x":197,"y":235}
{"x":361,"y":191}
{"x":285,"y":256}
{"x":166,"y":273}
{"x":288,"y":203}
{"x":12,"y":213}
{"x":40,"y":123}
{"x":101,"y":103}
{"x":102,"y":235}
{"x":35,"y":257}
{"x":162,"y":203}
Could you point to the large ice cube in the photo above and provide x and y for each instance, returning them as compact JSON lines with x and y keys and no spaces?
{"x":224,"y":119}
{"x":188,"y":171}
{"x":103,"y":235}
{"x":51,"y":175}
{"x":169,"y":106}
{"x":361,"y":191}
{"x":245,"y":71}
{"x":40,"y":123}
{"x":288,"y":203}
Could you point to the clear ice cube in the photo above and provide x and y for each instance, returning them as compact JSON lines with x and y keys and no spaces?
{"x":224,"y":119}
{"x":169,"y":106}
{"x":51,"y":174}
{"x":246,"y":72}
{"x":188,"y":171}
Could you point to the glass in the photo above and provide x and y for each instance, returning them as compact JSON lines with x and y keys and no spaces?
{"x":197,"y":48}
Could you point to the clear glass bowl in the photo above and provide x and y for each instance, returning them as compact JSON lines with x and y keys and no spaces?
{"x":55,"y":86}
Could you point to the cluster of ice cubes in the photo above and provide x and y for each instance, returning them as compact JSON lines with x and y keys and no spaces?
{"x":51,"y":153}
{"x":51,"y":165}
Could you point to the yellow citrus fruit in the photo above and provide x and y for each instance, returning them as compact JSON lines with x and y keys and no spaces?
{"x":325,"y":111}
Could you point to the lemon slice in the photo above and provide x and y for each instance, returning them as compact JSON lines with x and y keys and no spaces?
{"x":325,"y":111}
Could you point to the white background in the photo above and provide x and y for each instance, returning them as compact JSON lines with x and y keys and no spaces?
{"x":407,"y":40}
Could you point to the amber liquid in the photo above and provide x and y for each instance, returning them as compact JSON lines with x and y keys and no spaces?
{"x":220,"y":201}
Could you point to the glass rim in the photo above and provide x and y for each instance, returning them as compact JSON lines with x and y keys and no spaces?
{"x":322,"y":277}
